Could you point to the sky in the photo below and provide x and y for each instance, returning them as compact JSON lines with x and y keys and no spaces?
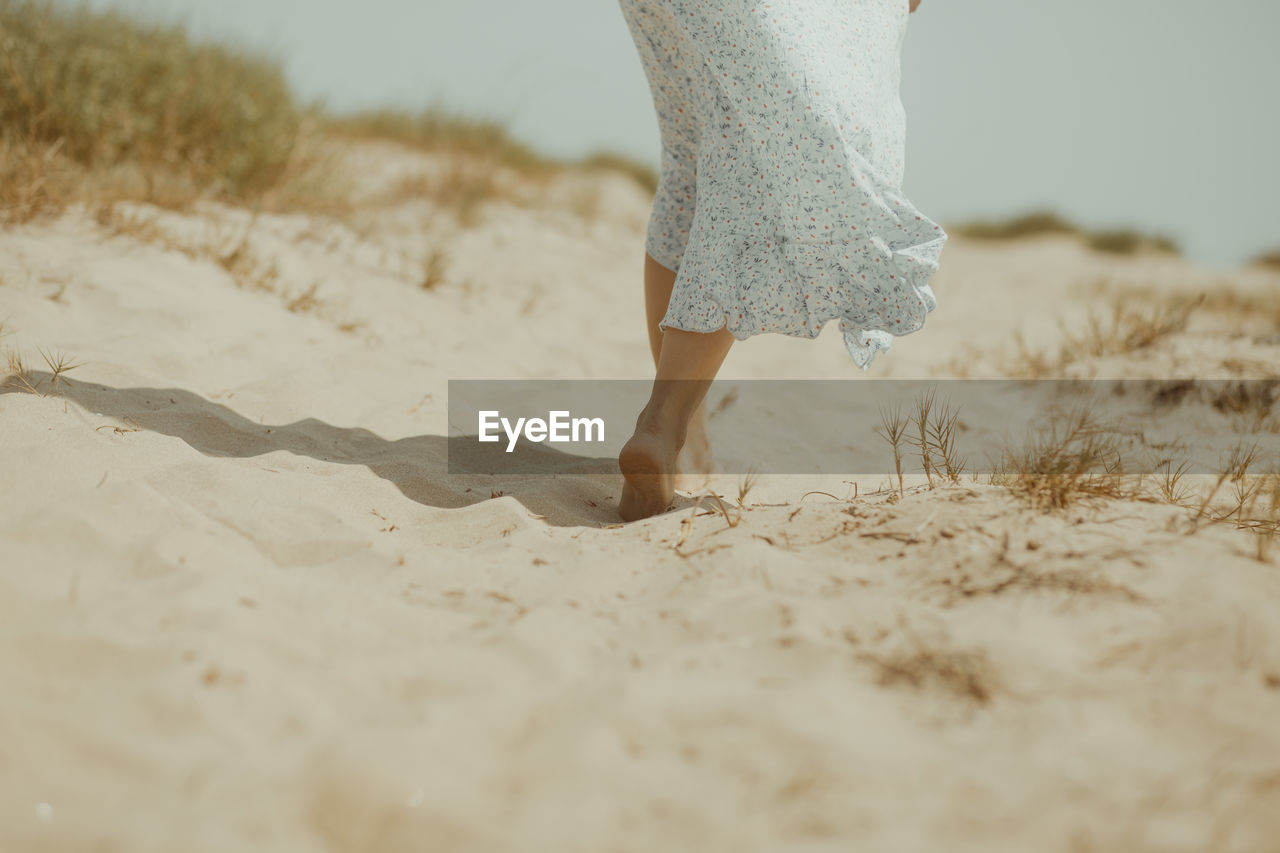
{"x":1155,"y":114}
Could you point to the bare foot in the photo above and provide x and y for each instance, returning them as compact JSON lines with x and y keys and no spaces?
{"x":648,"y":463}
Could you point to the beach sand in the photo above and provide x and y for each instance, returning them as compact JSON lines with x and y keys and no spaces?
{"x":243,"y":605}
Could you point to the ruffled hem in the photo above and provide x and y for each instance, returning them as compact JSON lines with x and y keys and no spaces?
{"x":871,"y":313}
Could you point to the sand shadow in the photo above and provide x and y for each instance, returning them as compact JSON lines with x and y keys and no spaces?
{"x":418,"y":466}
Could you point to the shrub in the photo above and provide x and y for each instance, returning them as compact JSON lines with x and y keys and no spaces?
{"x":102,"y":90}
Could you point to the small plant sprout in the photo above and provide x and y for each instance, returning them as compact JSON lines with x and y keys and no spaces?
{"x":1170,"y":482}
{"x":1234,"y":469}
{"x":59,"y":363}
{"x":942,"y":434}
{"x":922,"y":442}
{"x":745,"y":485}
{"x":18,"y":375}
{"x":893,"y":429}
{"x":931,"y":430}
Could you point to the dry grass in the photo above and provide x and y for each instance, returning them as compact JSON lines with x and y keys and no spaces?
{"x":59,"y":363}
{"x":16,"y":373}
{"x":1170,"y":482}
{"x":461,"y":188}
{"x":936,"y":427}
{"x":696,"y":511}
{"x":433,"y":273}
{"x":1249,"y":404}
{"x":920,"y":438}
{"x":244,"y":266}
{"x":1235,"y":306}
{"x":1126,"y":241}
{"x":641,"y":173}
{"x":1071,"y":581}
{"x":1254,"y":506}
{"x":142,"y":107}
{"x":1075,"y":457}
{"x":439,"y":130}
{"x":1265,"y":519}
{"x":931,"y":430}
{"x":893,"y":429}
{"x":97,"y":107}
{"x":921,"y":664}
{"x":745,"y":485}
{"x":229,"y":248}
{"x":1267,"y":260}
{"x":965,"y":674}
{"x":467,"y":184}
{"x":1223,"y":301}
{"x":1114,"y":241}
{"x":35,"y":179}
{"x":1130,"y":325}
{"x":1027,"y":225}
{"x":304,"y":301}
{"x":1251,"y":502}
{"x":19,"y":376}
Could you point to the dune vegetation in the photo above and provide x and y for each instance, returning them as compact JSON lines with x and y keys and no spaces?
{"x":95,"y":102}
{"x":1120,"y":241}
{"x":1269,"y":260}
{"x":98,"y":106}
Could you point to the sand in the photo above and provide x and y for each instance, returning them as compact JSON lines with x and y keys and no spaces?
{"x":243,"y":605}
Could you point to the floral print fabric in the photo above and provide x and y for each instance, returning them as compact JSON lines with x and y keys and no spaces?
{"x":779,"y":203}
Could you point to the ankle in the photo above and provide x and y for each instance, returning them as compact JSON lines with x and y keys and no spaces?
{"x":666,"y":423}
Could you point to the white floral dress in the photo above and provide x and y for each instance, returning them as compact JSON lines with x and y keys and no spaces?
{"x":779,"y":203}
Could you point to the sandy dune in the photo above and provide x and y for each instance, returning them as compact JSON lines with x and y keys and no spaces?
{"x":243,"y":605}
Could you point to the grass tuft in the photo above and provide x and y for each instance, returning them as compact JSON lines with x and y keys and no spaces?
{"x":1252,"y":502}
{"x":1169,"y":481}
{"x":893,"y":429}
{"x":1132,"y":325}
{"x":745,"y":485}
{"x":16,"y":373}
{"x":1073,"y":458}
{"x":19,"y":376}
{"x":931,"y":430}
{"x":59,"y":363}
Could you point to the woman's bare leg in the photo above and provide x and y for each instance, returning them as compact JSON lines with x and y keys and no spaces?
{"x":658,"y":284}
{"x":695,"y":461}
{"x":687,"y":364}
